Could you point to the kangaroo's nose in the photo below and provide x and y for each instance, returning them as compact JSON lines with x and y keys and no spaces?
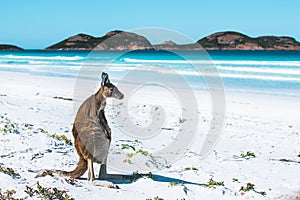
{"x":117,"y":94}
{"x":121,"y":96}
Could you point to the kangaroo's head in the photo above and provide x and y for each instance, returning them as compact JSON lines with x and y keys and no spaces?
{"x":109,"y":89}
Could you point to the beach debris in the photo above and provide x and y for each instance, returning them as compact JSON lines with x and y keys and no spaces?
{"x":212,"y":183}
{"x":47,"y":192}
{"x":136,"y":152}
{"x":9,"y":155}
{"x":127,"y":146}
{"x":173,"y":184}
{"x":155,"y":198}
{"x":216,"y":154}
{"x":63,"y":98}
{"x":250,"y":187}
{"x":235,"y":180}
{"x":43,"y":173}
{"x":128,"y":159}
{"x":247,"y":155}
{"x":136,"y":175}
{"x":37,"y":155}
{"x":71,"y":181}
{"x":6,"y":126}
{"x":181,"y":120}
{"x":190,"y":168}
{"x":144,"y":153}
{"x":286,"y":160}
{"x":8,"y":194}
{"x":61,"y":138}
{"x":9,"y":171}
{"x":42,"y":130}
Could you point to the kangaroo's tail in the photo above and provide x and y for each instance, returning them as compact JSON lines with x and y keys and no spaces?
{"x":76,"y":173}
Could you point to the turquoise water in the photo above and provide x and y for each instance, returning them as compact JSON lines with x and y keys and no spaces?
{"x":274,"y":72}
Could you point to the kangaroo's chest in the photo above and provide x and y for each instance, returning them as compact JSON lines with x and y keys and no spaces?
{"x":102,"y":105}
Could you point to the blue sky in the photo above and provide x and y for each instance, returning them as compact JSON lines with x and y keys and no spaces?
{"x":34,"y":24}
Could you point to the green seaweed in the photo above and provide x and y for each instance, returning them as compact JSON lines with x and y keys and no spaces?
{"x":9,"y":171}
{"x":47,"y":193}
{"x":250,"y":187}
{"x":212,"y":183}
{"x":61,"y":138}
{"x":248,"y":155}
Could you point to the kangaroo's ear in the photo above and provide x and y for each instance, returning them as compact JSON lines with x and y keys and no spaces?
{"x":105,"y":79}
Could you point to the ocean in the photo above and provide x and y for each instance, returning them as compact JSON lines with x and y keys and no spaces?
{"x":271,"y":72}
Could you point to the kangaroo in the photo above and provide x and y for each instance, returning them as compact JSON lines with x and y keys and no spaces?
{"x":92,"y":136}
{"x":91,"y":132}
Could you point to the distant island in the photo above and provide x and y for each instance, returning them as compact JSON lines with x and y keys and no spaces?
{"x":7,"y":47}
{"x":121,"y":41}
{"x":228,"y":40}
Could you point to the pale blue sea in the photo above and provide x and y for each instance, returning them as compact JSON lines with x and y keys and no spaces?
{"x":272,"y":72}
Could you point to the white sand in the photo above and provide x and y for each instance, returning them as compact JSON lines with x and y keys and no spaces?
{"x":267,"y":125}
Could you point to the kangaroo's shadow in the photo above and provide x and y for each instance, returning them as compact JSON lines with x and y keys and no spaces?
{"x":128,"y":179}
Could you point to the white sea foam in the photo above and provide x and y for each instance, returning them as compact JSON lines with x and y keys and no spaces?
{"x":261,"y":77}
{"x":218,"y":62}
{"x":258,"y":63}
{"x":261,"y":70}
{"x":131,"y":60}
{"x":236,"y":76}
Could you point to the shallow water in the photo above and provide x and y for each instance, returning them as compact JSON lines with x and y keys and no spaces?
{"x":273,"y":72}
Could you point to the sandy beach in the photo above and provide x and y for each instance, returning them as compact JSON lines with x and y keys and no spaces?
{"x":265,"y":126}
{"x":206,"y":104}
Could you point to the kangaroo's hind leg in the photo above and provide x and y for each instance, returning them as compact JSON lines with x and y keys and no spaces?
{"x":103,"y":170}
{"x":103,"y":175}
{"x":91,"y":174}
